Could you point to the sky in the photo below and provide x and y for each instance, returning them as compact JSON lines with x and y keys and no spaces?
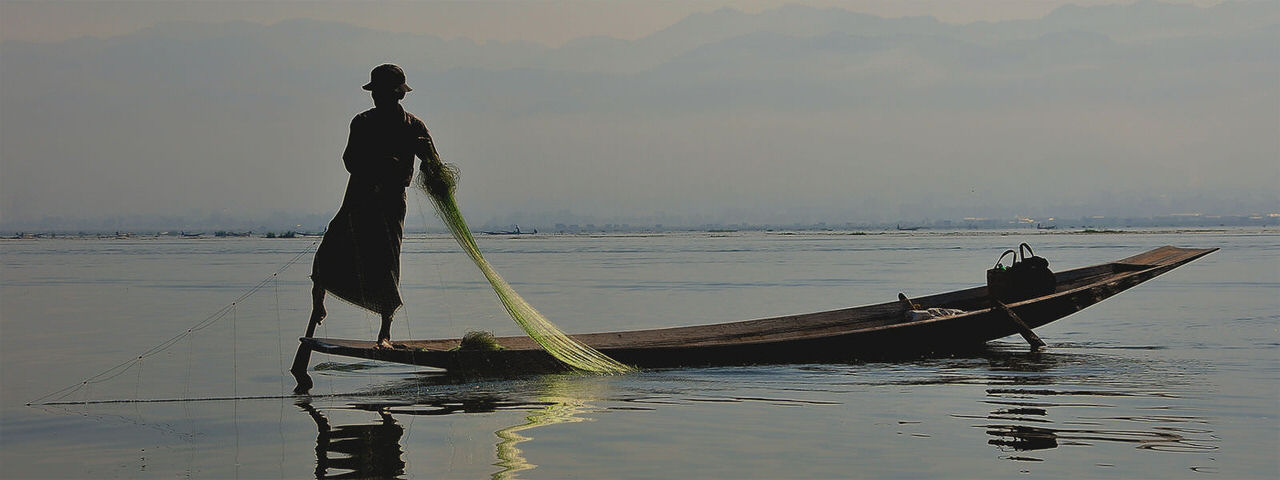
{"x":542,"y":21}
{"x":155,"y":113}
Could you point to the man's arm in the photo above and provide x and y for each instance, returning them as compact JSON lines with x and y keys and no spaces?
{"x":427,"y":152}
{"x":355,"y":145}
{"x":438,"y":178}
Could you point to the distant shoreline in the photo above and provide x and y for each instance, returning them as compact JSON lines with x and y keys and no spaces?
{"x":315,"y":226}
{"x":803,"y":230}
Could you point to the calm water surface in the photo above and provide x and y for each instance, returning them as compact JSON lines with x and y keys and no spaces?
{"x":1176,"y":378}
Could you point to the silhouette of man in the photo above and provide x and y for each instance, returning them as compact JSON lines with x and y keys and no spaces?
{"x":359,"y":257}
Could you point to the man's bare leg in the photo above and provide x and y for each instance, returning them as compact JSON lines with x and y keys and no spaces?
{"x":384,"y":334}
{"x":317,"y":305}
{"x":303,"y":357}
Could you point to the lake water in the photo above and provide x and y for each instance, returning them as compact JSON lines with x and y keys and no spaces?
{"x":1176,"y":378}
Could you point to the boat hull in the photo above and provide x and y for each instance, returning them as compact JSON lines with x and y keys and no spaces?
{"x":861,"y":333}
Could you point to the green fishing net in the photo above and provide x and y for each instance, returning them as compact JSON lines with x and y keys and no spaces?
{"x":477,"y":340}
{"x":438,"y":181}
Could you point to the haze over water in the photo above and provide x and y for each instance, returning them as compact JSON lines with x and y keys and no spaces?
{"x":1176,"y":378}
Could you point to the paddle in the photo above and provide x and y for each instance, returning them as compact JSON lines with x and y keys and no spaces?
{"x":1023,"y":328}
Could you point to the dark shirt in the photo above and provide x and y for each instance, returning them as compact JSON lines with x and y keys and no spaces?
{"x":381,"y":148}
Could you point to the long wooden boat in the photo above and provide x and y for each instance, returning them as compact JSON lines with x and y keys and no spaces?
{"x":867,"y":332}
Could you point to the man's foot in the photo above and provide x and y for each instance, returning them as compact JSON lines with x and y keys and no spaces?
{"x":384,"y":344}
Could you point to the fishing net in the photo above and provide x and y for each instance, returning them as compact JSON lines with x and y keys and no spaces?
{"x":483,"y":341}
{"x":438,"y":181}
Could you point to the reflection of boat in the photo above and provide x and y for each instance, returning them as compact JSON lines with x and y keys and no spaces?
{"x":1023,"y":438}
{"x":1173,"y":435}
{"x":874,"y":331}
{"x":374,"y":450}
{"x":515,"y":231}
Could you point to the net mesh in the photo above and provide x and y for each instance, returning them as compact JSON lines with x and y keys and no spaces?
{"x":438,"y":180}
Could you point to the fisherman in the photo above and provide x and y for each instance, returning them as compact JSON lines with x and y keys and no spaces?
{"x":359,"y":257}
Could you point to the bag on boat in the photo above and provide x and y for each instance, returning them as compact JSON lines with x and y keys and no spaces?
{"x":1024,"y":278}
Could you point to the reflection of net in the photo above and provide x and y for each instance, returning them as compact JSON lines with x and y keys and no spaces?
{"x":438,"y":181}
{"x":510,"y":457}
{"x":566,"y":399}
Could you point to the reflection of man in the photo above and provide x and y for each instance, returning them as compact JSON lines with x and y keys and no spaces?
{"x":367,"y":451}
{"x":359,"y":258}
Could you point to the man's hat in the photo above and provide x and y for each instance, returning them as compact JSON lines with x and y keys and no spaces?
{"x":387,"y":77}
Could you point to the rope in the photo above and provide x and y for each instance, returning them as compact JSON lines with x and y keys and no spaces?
{"x":207,"y":322}
{"x":438,"y":267}
{"x":186,"y":389}
{"x":207,"y":399}
{"x":235,"y":364}
{"x":279,"y":331}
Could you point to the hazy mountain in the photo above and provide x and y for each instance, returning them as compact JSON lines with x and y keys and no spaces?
{"x":789,"y":112}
